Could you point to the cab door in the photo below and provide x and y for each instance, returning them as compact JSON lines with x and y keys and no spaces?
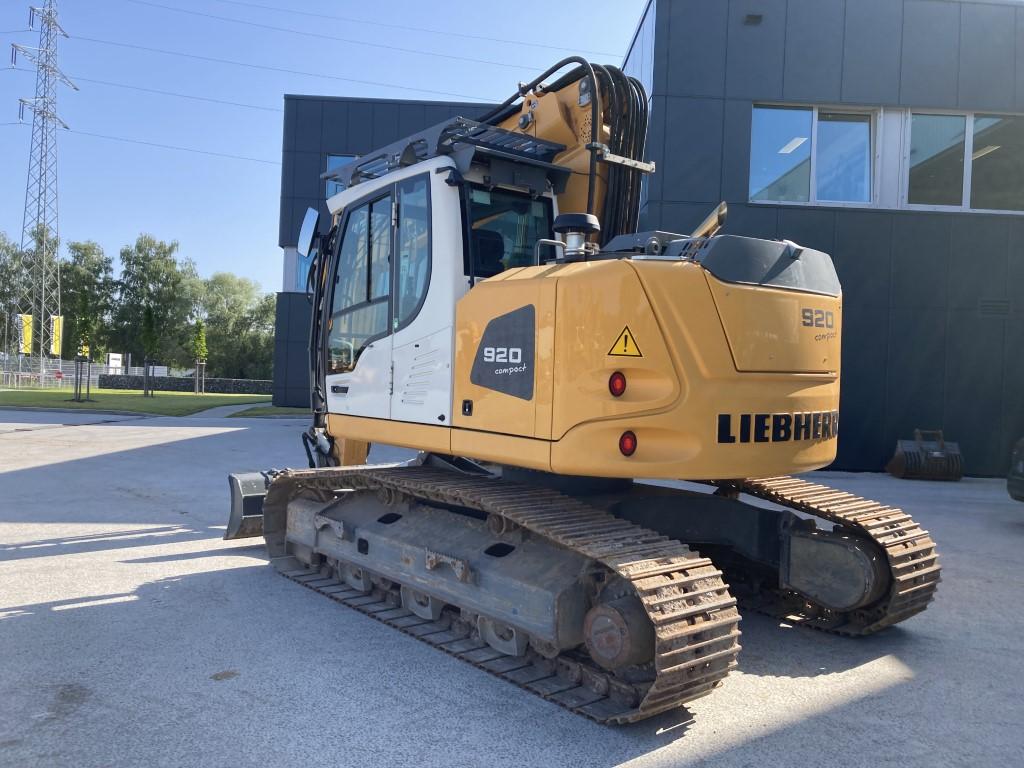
{"x":358,"y":338}
{"x":424,"y":301}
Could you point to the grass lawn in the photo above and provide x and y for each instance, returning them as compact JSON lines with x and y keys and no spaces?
{"x":263,"y":411}
{"x":165,"y":403}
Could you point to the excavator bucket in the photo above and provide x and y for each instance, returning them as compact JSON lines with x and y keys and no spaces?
{"x":248,"y":489}
{"x":927,"y":457}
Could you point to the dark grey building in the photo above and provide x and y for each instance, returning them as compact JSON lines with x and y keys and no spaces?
{"x":889,"y":133}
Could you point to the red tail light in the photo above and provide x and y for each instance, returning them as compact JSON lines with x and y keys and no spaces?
{"x":627,"y":443}
{"x":617,"y":384}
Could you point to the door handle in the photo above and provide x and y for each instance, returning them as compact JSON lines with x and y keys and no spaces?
{"x":338,"y":389}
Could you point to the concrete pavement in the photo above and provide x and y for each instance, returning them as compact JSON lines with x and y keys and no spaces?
{"x":131,"y":634}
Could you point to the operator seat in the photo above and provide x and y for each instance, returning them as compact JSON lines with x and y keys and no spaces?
{"x":488,"y":252}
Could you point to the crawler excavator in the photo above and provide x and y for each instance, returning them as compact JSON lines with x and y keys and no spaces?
{"x":484,"y":298}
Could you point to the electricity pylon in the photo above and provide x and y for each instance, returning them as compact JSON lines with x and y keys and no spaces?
{"x":39,"y":279}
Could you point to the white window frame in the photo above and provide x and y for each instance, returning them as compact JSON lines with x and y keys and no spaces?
{"x":965,"y":197}
{"x":890,"y":156}
{"x":813,"y":190}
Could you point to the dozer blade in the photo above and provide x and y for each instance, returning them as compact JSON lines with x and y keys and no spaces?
{"x":248,"y":489}
{"x":927,"y":457}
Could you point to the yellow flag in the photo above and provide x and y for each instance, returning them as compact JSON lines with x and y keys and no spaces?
{"x":25,"y":334}
{"x":56,"y":333}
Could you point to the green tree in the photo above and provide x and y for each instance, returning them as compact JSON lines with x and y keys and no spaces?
{"x":240,"y":327}
{"x":153,"y":276}
{"x":87,"y":297}
{"x":199,"y":350}
{"x":10,"y":260}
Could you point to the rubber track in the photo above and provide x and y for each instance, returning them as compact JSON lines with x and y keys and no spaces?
{"x":694,"y":616}
{"x":910,"y":551}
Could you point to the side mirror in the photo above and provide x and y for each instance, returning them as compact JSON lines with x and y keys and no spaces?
{"x":308,"y":232}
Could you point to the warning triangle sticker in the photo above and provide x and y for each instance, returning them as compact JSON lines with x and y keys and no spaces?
{"x":625,"y":345}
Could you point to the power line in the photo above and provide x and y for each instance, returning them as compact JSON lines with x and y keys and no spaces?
{"x":172,"y":146}
{"x":323,"y":36}
{"x":268,"y":68}
{"x":293,"y":12}
{"x":162,"y":92}
{"x":176,"y":148}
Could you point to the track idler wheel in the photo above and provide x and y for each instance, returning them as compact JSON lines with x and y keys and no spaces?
{"x":619,"y":634}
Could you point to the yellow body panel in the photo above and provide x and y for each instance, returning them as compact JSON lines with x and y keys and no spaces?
{"x":421,"y":437}
{"x":694,"y":413}
{"x":494,"y":411}
{"x":766,"y":331}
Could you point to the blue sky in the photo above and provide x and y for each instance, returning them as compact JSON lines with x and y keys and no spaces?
{"x":224,"y":211}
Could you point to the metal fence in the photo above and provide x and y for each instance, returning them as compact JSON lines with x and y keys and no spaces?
{"x":24,"y":372}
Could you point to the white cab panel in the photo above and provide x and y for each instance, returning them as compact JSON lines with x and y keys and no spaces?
{"x":368,"y":385}
{"x":423,"y":380}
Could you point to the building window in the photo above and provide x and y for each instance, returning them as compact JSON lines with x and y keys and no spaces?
{"x":887,"y":158}
{"x":936,"y":159}
{"x":843,"y":168}
{"x":966,"y":161}
{"x":780,"y":154}
{"x":807,"y":155}
{"x":997,"y":163}
{"x":333,"y":163}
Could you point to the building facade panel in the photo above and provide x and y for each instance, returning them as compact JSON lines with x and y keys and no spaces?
{"x":987,"y":46}
{"x":698,"y":69}
{"x":863,"y":259}
{"x":920,"y":261}
{"x":360,"y":138}
{"x":814,"y":51}
{"x":1019,"y":69}
{"x":736,"y":149}
{"x":1013,"y":374}
{"x":978,"y":264}
{"x":915,"y":372}
{"x":691,"y":168}
{"x":929,"y":70}
{"x":756,"y":49}
{"x":810,"y":227}
{"x":308,"y":124}
{"x":872,"y":41}
{"x":863,"y":390}
{"x":974,"y":343}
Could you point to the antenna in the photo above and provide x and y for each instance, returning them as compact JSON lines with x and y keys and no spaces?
{"x":37,"y":276}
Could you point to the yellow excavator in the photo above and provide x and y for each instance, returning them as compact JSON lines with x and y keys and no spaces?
{"x":484,"y":298}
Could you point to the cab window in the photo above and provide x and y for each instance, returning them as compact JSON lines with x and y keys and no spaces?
{"x":504,"y":225}
{"x":413,"y":267}
{"x":359,"y":309}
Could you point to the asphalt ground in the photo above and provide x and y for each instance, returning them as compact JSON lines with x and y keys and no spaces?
{"x":131,"y":634}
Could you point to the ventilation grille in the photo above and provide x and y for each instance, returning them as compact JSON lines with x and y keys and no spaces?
{"x":993,"y":307}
